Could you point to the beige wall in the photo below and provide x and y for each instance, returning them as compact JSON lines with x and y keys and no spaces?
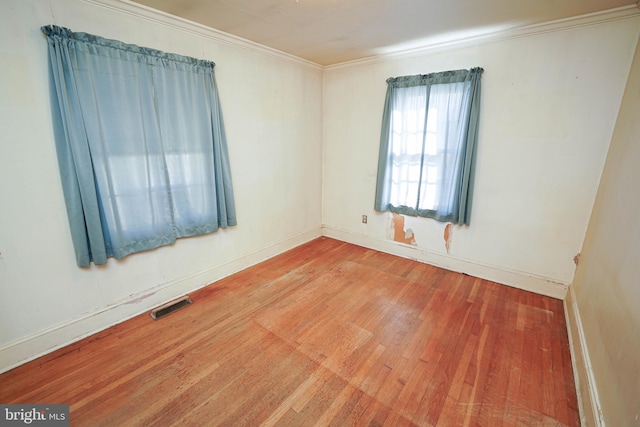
{"x":549,"y":105}
{"x":606,"y":289}
{"x":272,"y":105}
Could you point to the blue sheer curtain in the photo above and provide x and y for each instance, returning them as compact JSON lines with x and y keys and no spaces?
{"x":428,"y":144}
{"x":141,"y":145}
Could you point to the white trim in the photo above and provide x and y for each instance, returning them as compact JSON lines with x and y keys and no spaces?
{"x":590,"y":410}
{"x":576,"y":360}
{"x":128,"y":7}
{"x":517,"y":279}
{"x":137,"y":10}
{"x":26,"y":349}
{"x":624,"y":12}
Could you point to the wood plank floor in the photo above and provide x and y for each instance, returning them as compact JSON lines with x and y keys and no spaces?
{"x":326,"y":334}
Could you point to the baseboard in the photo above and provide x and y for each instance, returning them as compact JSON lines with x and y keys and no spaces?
{"x":588,"y":400}
{"x":26,"y":349}
{"x":21,"y":351}
{"x":517,"y":279}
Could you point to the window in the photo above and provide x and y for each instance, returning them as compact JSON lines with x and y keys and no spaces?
{"x":427,"y":145}
{"x":141,"y":145}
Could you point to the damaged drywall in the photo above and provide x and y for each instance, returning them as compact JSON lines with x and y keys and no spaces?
{"x":399,"y":233}
{"x":448,"y":234}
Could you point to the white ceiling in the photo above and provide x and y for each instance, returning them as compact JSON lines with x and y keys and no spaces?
{"x":332,"y":31}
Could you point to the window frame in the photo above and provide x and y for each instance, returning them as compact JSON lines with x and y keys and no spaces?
{"x":454,"y":194}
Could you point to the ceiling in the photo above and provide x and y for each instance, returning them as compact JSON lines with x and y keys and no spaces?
{"x":328,"y":32}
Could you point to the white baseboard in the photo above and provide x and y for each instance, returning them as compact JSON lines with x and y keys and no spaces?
{"x":588,"y":400}
{"x":26,"y":349}
{"x":517,"y":279}
{"x":21,"y":351}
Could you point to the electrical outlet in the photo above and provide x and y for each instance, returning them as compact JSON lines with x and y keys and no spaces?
{"x":364,"y":219}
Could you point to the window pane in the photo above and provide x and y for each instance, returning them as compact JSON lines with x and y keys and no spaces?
{"x":425,"y":146}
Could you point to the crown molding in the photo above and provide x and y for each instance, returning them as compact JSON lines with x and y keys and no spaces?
{"x":137,"y":10}
{"x":616,"y":14}
{"x":130,"y":8}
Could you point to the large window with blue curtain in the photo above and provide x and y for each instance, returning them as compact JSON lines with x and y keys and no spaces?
{"x":428,"y":144}
{"x":141,"y":145}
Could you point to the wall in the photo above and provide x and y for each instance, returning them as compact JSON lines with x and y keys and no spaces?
{"x":605,"y":296}
{"x":272,"y":107}
{"x":549,"y":103}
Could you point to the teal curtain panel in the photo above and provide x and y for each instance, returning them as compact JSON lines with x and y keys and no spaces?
{"x":428,"y":145}
{"x":141,"y":145}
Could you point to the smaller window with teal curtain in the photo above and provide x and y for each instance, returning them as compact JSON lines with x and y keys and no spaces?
{"x":141,"y":145}
{"x":427,"y":145}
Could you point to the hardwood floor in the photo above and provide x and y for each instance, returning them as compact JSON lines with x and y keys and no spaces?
{"x":326,"y":334}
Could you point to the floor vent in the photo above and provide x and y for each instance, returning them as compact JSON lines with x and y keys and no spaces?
{"x":170,"y":307}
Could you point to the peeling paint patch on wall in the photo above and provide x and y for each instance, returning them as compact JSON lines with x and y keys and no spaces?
{"x":448,"y":234}
{"x":399,"y":233}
